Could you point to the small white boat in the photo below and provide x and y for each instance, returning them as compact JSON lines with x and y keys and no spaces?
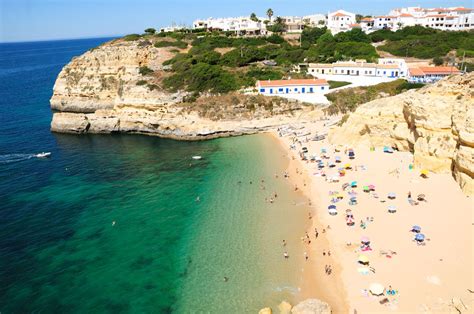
{"x":43,"y":155}
{"x":197,"y":157}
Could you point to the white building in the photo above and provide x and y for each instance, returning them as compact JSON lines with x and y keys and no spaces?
{"x":340,"y":21}
{"x":454,"y":18}
{"x":430,"y":74}
{"x":297,"y":86}
{"x":238,"y":25}
{"x":315,"y":20}
{"x":387,"y":68}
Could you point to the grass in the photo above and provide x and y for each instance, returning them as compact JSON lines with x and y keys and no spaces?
{"x":336,"y":84}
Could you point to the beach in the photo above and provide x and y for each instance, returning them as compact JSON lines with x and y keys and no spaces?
{"x":430,"y":276}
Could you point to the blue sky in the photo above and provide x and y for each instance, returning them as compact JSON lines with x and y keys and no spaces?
{"x":26,"y":20}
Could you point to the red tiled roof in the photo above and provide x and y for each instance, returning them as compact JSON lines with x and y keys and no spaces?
{"x":367,"y":19}
{"x":406,"y":15}
{"x":340,"y":14}
{"x":416,"y":72}
{"x":421,"y":71}
{"x":461,"y":9}
{"x":277,"y":83}
{"x":354,"y":25}
{"x":439,"y":70}
{"x":436,"y":15}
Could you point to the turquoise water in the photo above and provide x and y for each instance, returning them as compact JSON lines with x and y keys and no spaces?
{"x":110,"y":223}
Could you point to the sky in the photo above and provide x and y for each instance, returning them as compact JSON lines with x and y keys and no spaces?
{"x":32,"y":20}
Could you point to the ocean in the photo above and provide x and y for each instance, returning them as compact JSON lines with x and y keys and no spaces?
{"x":130,"y":223}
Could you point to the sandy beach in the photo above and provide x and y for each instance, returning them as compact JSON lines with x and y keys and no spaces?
{"x":433,"y":276}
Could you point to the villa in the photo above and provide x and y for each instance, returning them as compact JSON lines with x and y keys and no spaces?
{"x":340,"y":21}
{"x":430,"y":74}
{"x":238,"y":25}
{"x":295,"y":86}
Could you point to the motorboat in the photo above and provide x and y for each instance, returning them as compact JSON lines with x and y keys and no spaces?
{"x":43,"y":155}
{"x":197,"y":157}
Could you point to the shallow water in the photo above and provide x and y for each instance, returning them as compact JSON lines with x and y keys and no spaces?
{"x":111,"y":222}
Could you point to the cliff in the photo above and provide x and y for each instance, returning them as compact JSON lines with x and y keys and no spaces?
{"x":436,"y":123}
{"x":103,"y":91}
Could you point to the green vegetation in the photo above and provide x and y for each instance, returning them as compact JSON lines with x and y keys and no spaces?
{"x":336,"y":84}
{"x":141,"y":82}
{"x":349,"y":99}
{"x":144,"y":70}
{"x":150,"y":31}
{"x":425,"y":43}
{"x":438,"y":61}
{"x":132,"y":37}
{"x":178,"y":44}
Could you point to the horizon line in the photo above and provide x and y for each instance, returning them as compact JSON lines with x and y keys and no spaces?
{"x":59,"y":39}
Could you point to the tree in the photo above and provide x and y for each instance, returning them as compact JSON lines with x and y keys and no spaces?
{"x":270,"y":14}
{"x":358,"y":18}
{"x":254,"y":17}
{"x":150,"y":31}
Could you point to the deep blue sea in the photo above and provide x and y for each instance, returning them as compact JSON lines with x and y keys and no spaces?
{"x":110,"y":223}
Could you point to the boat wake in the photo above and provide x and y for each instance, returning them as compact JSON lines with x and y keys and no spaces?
{"x":11,"y":158}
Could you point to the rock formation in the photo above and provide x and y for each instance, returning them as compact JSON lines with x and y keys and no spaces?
{"x":311,"y":306}
{"x":103,"y":91}
{"x":436,"y":123}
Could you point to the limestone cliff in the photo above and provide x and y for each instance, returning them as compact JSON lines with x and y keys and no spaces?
{"x":436,"y":123}
{"x":103,"y":91}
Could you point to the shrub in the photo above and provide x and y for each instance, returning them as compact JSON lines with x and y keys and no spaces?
{"x":178,"y":44}
{"x":150,"y":31}
{"x":144,"y":70}
{"x":132,"y":37}
{"x":336,"y":84}
{"x":141,"y":82}
{"x":438,"y":61}
{"x":275,"y":39}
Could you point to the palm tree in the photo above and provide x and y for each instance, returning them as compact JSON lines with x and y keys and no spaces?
{"x":253,"y":17}
{"x":270,"y":14}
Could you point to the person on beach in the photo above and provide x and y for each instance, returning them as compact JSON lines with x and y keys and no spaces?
{"x":329,"y":253}
{"x":284,"y":242}
{"x":324,"y":253}
{"x":309,"y":216}
{"x":286,"y":255}
{"x":306,"y":257}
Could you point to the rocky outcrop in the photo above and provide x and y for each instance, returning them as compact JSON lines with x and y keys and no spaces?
{"x":103,"y":91}
{"x":436,"y":123}
{"x":311,"y":306}
{"x":108,"y":75}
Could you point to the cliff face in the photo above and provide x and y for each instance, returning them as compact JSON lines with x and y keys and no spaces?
{"x":97,"y":92}
{"x":436,"y":123}
{"x":108,"y":75}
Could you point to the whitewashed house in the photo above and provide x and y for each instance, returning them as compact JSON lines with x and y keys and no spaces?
{"x":340,"y":21}
{"x":295,"y":86}
{"x":386,"y":67}
{"x":430,"y":74}
{"x":238,"y":25}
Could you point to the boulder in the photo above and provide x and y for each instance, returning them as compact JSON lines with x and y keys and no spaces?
{"x":285,"y":307}
{"x":311,"y":306}
{"x":66,"y":122}
{"x":266,"y":310}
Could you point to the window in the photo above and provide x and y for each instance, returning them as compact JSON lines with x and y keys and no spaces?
{"x":322,"y":87}
{"x":384,"y":72}
{"x":262,"y":90}
{"x":280,"y":89}
{"x":310,"y":89}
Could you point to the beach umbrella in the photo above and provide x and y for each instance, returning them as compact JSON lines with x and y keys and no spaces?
{"x":332,"y":211}
{"x":372,"y":187}
{"x":392,"y":195}
{"x":348,"y":211}
{"x":354,"y":184}
{"x":420,"y":237}
{"x":332,"y":207}
{"x":366,"y":188}
{"x":340,"y":196}
{"x":376,"y":289}
{"x":323,"y":151}
{"x":338,"y":159}
{"x":424,"y":173}
{"x":345,"y":185}
{"x":416,"y":228}
{"x":365,"y":240}
{"x":332,"y":165}
{"x":421,"y":197}
{"x":363,"y":259}
{"x":392,"y":209}
{"x":347,"y":166}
